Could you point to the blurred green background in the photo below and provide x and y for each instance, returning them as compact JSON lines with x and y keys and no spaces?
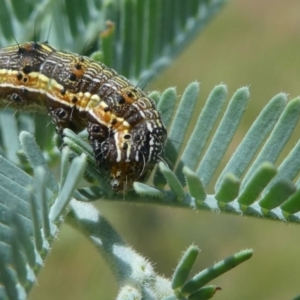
{"x":253,"y":43}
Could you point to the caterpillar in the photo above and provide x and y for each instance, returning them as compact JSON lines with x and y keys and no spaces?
{"x":124,"y":127}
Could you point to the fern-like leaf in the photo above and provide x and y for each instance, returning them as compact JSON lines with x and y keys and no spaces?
{"x":248,"y":185}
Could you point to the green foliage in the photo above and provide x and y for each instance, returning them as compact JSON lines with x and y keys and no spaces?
{"x":183,"y":179}
{"x":34,"y":202}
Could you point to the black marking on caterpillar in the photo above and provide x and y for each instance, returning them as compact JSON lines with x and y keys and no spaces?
{"x":124,"y":126}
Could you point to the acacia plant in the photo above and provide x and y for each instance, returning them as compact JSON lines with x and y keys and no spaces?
{"x":138,"y":39}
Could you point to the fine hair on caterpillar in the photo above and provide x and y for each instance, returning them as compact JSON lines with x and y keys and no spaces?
{"x":124,"y":127}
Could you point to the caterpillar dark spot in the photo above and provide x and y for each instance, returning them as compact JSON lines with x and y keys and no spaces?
{"x":124,"y":126}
